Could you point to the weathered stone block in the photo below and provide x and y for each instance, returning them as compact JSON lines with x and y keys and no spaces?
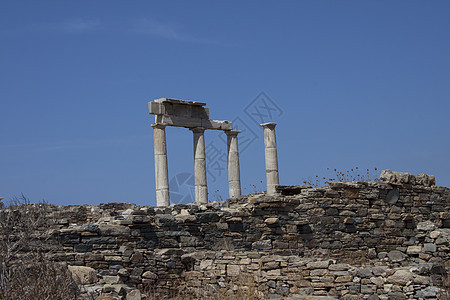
{"x":318,"y":264}
{"x":412,"y":250}
{"x":262,"y":245}
{"x":82,"y":248}
{"x":396,"y":256}
{"x":110,"y":279}
{"x":233,"y":270}
{"x":401,"y":277}
{"x":83,"y":275}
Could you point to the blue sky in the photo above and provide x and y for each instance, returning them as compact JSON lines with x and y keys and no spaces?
{"x":350,"y":83}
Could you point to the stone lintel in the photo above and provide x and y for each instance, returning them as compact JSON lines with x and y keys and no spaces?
{"x":178,"y":110}
{"x":193,"y":122}
{"x":217,"y":125}
{"x":185,"y":102}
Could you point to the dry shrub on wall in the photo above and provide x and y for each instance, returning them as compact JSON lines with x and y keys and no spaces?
{"x":335,"y":175}
{"x":25,"y":271}
{"x":242,"y":287}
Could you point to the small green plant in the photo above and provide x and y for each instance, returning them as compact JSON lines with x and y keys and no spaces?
{"x":334,"y":175}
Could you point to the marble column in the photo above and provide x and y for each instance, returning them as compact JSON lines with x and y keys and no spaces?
{"x":161,"y":169}
{"x":270,"y":146}
{"x":201,"y":189}
{"x":234,"y":173}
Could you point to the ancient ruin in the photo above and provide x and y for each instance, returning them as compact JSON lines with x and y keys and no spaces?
{"x":347,"y":240}
{"x":378,"y":240}
{"x":195,"y":117}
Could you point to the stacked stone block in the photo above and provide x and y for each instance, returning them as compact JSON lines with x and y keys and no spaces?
{"x":365,"y":240}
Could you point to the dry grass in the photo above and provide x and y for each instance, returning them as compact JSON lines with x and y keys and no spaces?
{"x":242,"y":288}
{"x":25,"y":272}
{"x":334,"y":175}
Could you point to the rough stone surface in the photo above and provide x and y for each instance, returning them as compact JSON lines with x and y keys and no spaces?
{"x":400,"y":178}
{"x":396,"y":256}
{"x":134,"y":295}
{"x":400,"y":277}
{"x":83,"y":275}
{"x":342,"y":241}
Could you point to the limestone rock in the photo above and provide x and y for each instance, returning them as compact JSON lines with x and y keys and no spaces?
{"x":396,"y":256}
{"x":401,"y":277}
{"x":428,"y":292}
{"x":425,"y":180}
{"x":137,"y":257}
{"x":426,"y":226}
{"x":107,"y":297}
{"x":114,"y":230}
{"x":435,"y":234}
{"x":271,"y":221}
{"x":318,"y":264}
{"x":429,"y":247}
{"x":134,"y":295}
{"x":421,"y":280}
{"x":150,"y":275}
{"x":338,"y":267}
{"x":111,"y":279}
{"x":83,"y":275}
{"x":399,"y":178}
{"x":414,"y":250}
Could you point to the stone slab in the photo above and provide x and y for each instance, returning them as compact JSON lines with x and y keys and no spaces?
{"x":287,"y":190}
{"x":186,"y":102}
{"x":193,"y":122}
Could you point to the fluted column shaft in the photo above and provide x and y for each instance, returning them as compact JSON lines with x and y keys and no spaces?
{"x":270,"y":147}
{"x":201,"y":189}
{"x":234,"y":173}
{"x":161,"y":169}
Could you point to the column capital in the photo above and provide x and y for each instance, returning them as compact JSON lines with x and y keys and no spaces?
{"x":232,"y":132}
{"x":159,"y":126}
{"x":270,"y":125}
{"x":197,"y":129}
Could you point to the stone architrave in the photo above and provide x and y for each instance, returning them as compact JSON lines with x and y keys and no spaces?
{"x":188,"y":114}
{"x":161,"y":168}
{"x":270,"y":149}
{"x":234,"y":174}
{"x":201,"y":189}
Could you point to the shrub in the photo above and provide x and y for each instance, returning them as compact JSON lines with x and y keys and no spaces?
{"x":25,"y":270}
{"x":334,"y":175}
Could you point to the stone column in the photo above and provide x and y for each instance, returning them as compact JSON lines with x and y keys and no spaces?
{"x":270,"y":146}
{"x":201,"y":189}
{"x":234,"y":174}
{"x":161,"y":170}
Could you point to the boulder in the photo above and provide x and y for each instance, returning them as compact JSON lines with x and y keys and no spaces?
{"x":396,"y":256}
{"x":399,"y":178}
{"x":134,"y":295}
{"x":83,"y":275}
{"x":401,"y":277}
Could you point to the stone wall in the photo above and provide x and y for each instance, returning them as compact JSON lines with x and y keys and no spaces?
{"x":366,"y":240}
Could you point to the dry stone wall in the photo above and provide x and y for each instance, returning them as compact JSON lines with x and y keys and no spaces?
{"x":367,"y":240}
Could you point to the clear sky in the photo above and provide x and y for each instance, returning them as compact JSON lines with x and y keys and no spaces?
{"x":350,"y":83}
